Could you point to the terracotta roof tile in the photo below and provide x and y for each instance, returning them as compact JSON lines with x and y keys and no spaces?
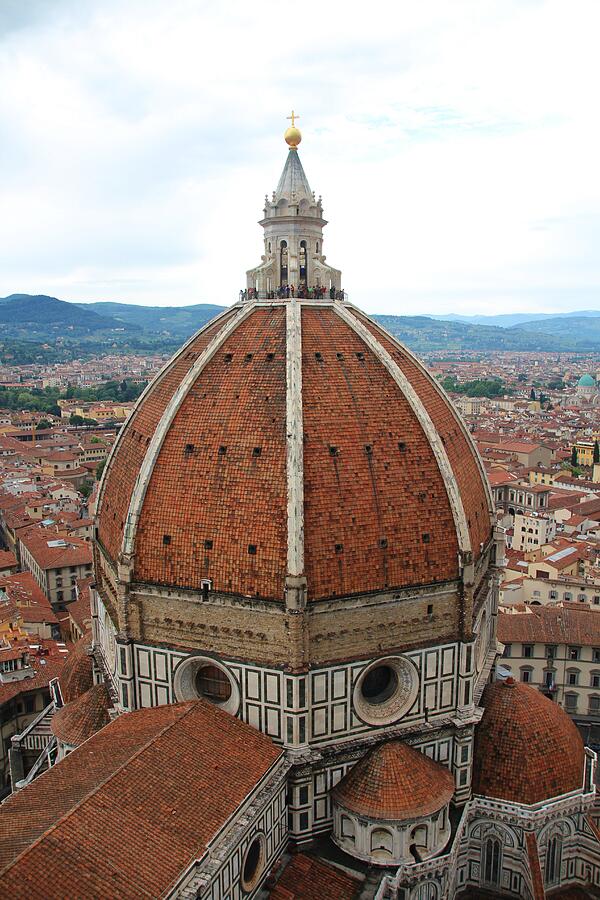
{"x":126,"y":812}
{"x":216,"y":501}
{"x":395,"y":782}
{"x":125,"y":463}
{"x":79,"y":720}
{"x":307,"y":878}
{"x":573,"y":624}
{"x":527,"y":749}
{"x":76,"y":677}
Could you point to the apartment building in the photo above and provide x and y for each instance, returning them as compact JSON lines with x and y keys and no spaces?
{"x":56,"y":560}
{"x":557,"y":650}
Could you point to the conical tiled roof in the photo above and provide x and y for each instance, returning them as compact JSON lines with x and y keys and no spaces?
{"x":293,"y":181}
{"x":395,"y":782}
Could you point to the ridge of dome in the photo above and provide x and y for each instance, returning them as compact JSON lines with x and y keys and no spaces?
{"x":390,"y":391}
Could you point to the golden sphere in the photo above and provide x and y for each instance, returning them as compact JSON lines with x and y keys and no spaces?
{"x":293,"y":136}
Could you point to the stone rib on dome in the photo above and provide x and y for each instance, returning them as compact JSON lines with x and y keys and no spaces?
{"x":395,"y":782}
{"x":200,"y":484}
{"x":527,"y":749}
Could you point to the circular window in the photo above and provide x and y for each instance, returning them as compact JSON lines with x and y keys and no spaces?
{"x":254,"y":863}
{"x":201,"y":676}
{"x":213,"y":684}
{"x":379,"y":684}
{"x":386,"y":690}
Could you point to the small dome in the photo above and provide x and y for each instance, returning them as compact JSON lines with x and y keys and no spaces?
{"x":76,"y":676}
{"x":586,"y":381}
{"x":395,"y":782}
{"x":79,"y":720}
{"x":527,"y":749}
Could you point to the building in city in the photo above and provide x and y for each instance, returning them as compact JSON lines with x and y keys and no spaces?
{"x":294,"y":626}
{"x":557,"y":650}
{"x":56,"y":560}
{"x":587,"y":391}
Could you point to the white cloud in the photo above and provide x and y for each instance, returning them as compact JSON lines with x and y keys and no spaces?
{"x":455,"y":146}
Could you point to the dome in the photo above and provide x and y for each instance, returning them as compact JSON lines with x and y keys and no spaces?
{"x":77,"y":721}
{"x":527,"y":749}
{"x":395,"y":782}
{"x":76,"y":675}
{"x":293,"y":439}
{"x":586,"y":381}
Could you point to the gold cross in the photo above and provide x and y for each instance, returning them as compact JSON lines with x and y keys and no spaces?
{"x":293,"y":117}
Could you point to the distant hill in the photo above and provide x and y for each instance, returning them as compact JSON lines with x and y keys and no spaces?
{"x":422,"y":334}
{"x":98,"y":327}
{"x":43,"y":318}
{"x":176,"y":321}
{"x":507,"y":320}
{"x":582,"y":331}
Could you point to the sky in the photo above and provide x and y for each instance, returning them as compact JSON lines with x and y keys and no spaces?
{"x":456,"y":147}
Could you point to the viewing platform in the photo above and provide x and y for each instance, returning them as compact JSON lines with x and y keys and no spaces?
{"x":289,"y":293}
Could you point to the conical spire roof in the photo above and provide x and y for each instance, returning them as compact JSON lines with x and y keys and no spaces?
{"x":293,"y":181}
{"x":395,"y":782}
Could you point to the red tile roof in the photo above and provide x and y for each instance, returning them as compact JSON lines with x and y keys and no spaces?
{"x":8,"y":560}
{"x":76,"y":677}
{"x":22,"y":589}
{"x":77,"y":721}
{"x":46,"y":665}
{"x":395,"y":782}
{"x":307,"y":878}
{"x":527,"y":749}
{"x":74,"y":552}
{"x":125,"y":813}
{"x":573,"y":624}
{"x":125,"y":463}
{"x":370,"y":473}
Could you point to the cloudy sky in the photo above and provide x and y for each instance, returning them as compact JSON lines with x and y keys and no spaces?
{"x":456,"y":146}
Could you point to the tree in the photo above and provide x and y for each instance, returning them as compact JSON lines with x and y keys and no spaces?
{"x":86,"y":489}
{"x":75,"y":419}
{"x":532,"y":394}
{"x":43,"y":423}
{"x":521,"y":377}
{"x":100,"y":469}
{"x":574,"y":456}
{"x":596,"y":453}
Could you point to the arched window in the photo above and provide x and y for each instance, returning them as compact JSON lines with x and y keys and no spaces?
{"x":303,"y":263}
{"x":418,"y":837}
{"x":553,"y":853}
{"x":492,"y":861}
{"x":382,"y":843}
{"x":317,"y":247}
{"x":283,"y":265}
{"x":348,"y":829}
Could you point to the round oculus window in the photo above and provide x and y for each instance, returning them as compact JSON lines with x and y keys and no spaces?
{"x":254,"y":863}
{"x":386,"y":690}
{"x":201,"y":676}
